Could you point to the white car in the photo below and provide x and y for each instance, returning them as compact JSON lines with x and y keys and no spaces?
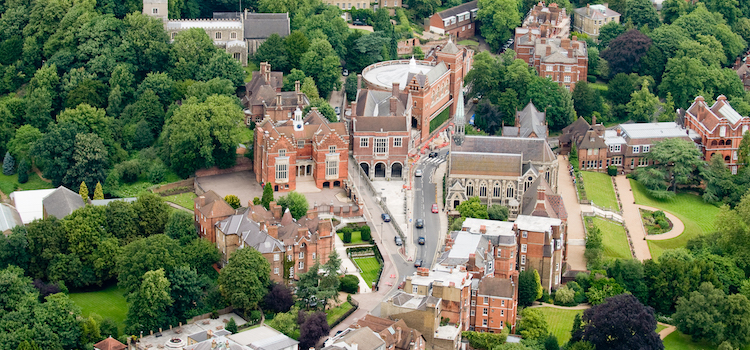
{"x":418,"y":173}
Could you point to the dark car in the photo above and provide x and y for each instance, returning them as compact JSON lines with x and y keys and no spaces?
{"x":386,"y":217}
{"x":433,"y":154}
{"x":420,"y":240}
{"x":357,"y":22}
{"x":398,"y":240}
{"x":420,"y":223}
{"x":418,"y":263}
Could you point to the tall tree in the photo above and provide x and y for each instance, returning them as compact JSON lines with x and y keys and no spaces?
{"x":643,"y":105}
{"x":152,"y":212}
{"x":314,"y":327}
{"x":678,"y":158}
{"x":185,"y":291}
{"x":244,"y":279}
{"x":190,"y":50}
{"x":296,"y":203}
{"x":641,"y":13}
{"x":625,"y":51}
{"x":532,"y":324}
{"x":498,"y":18}
{"x":222,"y":66}
{"x":473,"y":208}
{"x":147,"y":254}
{"x":149,"y":304}
{"x":529,"y":289}
{"x":267,"y":196}
{"x":621,"y":322}
{"x":274,"y":52}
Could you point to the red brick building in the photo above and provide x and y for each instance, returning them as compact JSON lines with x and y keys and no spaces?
{"x":381,"y":132}
{"x":494,"y":305}
{"x":552,"y":21}
{"x":720,"y":128}
{"x":459,"y":21}
{"x":564,"y":61}
{"x":303,"y":149}
{"x":264,"y":98}
{"x":209,"y":208}
{"x":541,"y":241}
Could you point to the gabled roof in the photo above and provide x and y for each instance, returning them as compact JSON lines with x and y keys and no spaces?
{"x":496,"y":287}
{"x":211,"y":205}
{"x":376,"y":103}
{"x":29,"y":203}
{"x":450,"y":47}
{"x":530,"y":120}
{"x":61,"y":202}
{"x":381,"y":124}
{"x":262,"y":25}
{"x":596,"y":12}
{"x":592,"y":139}
{"x":472,"y":5}
{"x":250,"y":233}
{"x":495,"y":164}
{"x":553,"y":203}
{"x":721,"y":112}
{"x":533,"y":150}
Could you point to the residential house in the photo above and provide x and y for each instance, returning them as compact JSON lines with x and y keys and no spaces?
{"x":498,"y":170}
{"x":742,"y":67}
{"x":504,"y":250}
{"x":572,"y":132}
{"x":238,"y":33}
{"x":434,"y":83}
{"x":380,"y":131}
{"x":240,"y":231}
{"x":396,"y":334}
{"x":552,"y":21}
{"x":391,"y":4}
{"x":209,"y":208}
{"x":541,"y":241}
{"x":422,"y":313}
{"x":452,"y":286}
{"x":719,"y":127}
{"x":356,"y":339}
{"x":264,"y":338}
{"x":564,"y":61}
{"x":109,"y":344}
{"x":346,"y":5}
{"x":530,"y":122}
{"x":264,"y":98}
{"x":302,"y":149}
{"x":494,"y":304}
{"x":9,"y":218}
{"x":591,"y":18}
{"x":458,"y":22}
{"x":29,"y":204}
{"x":61,"y":203}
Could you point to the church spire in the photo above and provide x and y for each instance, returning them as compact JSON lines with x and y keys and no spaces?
{"x":460,"y":117}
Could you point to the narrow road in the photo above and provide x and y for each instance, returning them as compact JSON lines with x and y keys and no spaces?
{"x":425,"y":195}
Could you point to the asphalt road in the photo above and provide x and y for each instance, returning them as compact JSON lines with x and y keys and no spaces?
{"x":424,"y":198}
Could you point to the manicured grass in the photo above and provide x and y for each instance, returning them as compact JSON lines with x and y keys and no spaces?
{"x":333,"y":314}
{"x":246,"y":137}
{"x":560,"y":322}
{"x":184,"y":200}
{"x":679,"y":341}
{"x":599,"y":86}
{"x":659,"y":328}
{"x":439,"y":119}
{"x":356,"y":237}
{"x":142,"y":185}
{"x":249,"y":69}
{"x":9,"y":183}
{"x":370,"y":268}
{"x":599,"y":189}
{"x":468,"y":43}
{"x":697,"y":215}
{"x":614,"y":238}
{"x":107,"y":303}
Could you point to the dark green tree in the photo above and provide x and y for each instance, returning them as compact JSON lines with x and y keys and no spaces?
{"x":641,"y":13}
{"x":274,"y":52}
{"x":150,"y":253}
{"x":181,"y":227}
{"x":267,"y":196}
{"x":473,"y":208}
{"x":625,"y":51}
{"x":497,"y":212}
{"x":296,"y":203}
{"x":150,"y":303}
{"x":244,"y":279}
{"x":498,"y":18}
{"x":231,"y":325}
{"x":185,"y":291}
{"x":222,"y":66}
{"x":529,"y":289}
{"x":296,"y":44}
{"x":9,"y":164}
{"x":153,"y":214}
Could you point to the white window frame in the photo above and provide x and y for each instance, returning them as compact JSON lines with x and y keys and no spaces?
{"x":557,"y":266}
{"x":275,"y":270}
{"x":381,"y":145}
{"x":617,"y":160}
{"x":568,"y":69}
{"x":646,"y":148}
{"x":301,"y":265}
{"x":484,"y":311}
{"x":397,"y":142}
{"x":472,"y":313}
{"x":473,"y":303}
{"x":524,"y":234}
{"x":331,"y":149}
{"x":276,"y":257}
{"x":523,"y":260}
{"x":282,"y":153}
{"x":313,"y":255}
{"x":524,"y":248}
{"x":332,"y":167}
{"x":566,"y":79}
{"x":233,"y":35}
{"x":414,"y":289}
{"x":484,"y":322}
{"x":300,"y":143}
{"x":636,"y":149}
{"x":217,"y":35}
{"x":282,"y":171}
{"x":614,"y":148}
{"x":364,"y":142}
{"x":549,"y":68}
{"x":485,"y":300}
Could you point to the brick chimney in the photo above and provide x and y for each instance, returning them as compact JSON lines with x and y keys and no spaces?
{"x":482,"y":229}
{"x":359,"y":81}
{"x":299,"y":93}
{"x":398,"y":338}
{"x":354,"y":108}
{"x":423,"y":271}
{"x":201,"y":201}
{"x":278,"y":99}
{"x":276,"y":210}
{"x":540,"y":205}
{"x":273,"y":231}
{"x":619,"y":132}
{"x":265,"y":69}
{"x":549,"y":50}
{"x":575,"y":38}
{"x":593,"y":120}
{"x":588,"y":10}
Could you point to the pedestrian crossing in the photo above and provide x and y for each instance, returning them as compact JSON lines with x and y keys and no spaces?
{"x":435,"y":161}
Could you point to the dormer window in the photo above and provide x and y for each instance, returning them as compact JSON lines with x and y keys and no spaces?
{"x":282,"y":153}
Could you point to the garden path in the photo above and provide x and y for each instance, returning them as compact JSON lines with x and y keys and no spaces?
{"x":173,"y":205}
{"x":632,"y":218}
{"x":666,"y":331}
{"x":677,"y":226}
{"x":576,"y":234}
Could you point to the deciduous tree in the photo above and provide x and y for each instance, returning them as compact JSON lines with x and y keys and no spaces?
{"x":244,"y":279}
{"x":149,"y":304}
{"x":498,"y":18}
{"x":532,"y":324}
{"x":529,"y":287}
{"x":624,"y":52}
{"x":296,"y":203}
{"x":622,"y":322}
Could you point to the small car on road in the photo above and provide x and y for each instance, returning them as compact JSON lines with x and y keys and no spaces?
{"x":434,"y":208}
{"x":386,"y":217}
{"x":418,"y":173}
{"x":420,"y":223}
{"x":398,"y":240}
{"x":420,"y":240}
{"x":433,"y":154}
{"x":418,"y":263}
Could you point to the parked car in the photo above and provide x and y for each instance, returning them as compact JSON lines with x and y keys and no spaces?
{"x":420,"y":240}
{"x":338,"y":110}
{"x":420,"y":223}
{"x":357,"y":22}
{"x":418,"y":173}
{"x":418,"y":263}
{"x":386,"y":217}
{"x":345,"y":72}
{"x":398,"y":240}
{"x":434,"y":208}
{"x":433,"y":154}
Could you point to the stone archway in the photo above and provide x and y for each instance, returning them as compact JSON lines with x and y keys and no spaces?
{"x":396,"y":169}
{"x":380,"y":170}
{"x":365,"y":168}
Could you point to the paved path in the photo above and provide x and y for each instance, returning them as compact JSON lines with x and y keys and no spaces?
{"x":577,"y":307}
{"x":173,"y":205}
{"x":632,"y":218}
{"x":607,"y":214}
{"x":576,"y":234}
{"x":666,"y":331}
{"x":677,"y":226}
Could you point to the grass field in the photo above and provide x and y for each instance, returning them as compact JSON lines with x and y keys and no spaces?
{"x":249,"y":69}
{"x":370,"y":268}
{"x":614,"y":238}
{"x":697,"y":215}
{"x":334,"y":314}
{"x":659,"y":327}
{"x":9,"y":183}
{"x":560,"y":322}
{"x":599,"y":189}
{"x":184,"y":200}
{"x":356,"y":237}
{"x":107,"y":303}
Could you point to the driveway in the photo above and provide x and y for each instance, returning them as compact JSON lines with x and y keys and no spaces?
{"x":632,"y":218}
{"x":576,"y":234}
{"x":241,"y":184}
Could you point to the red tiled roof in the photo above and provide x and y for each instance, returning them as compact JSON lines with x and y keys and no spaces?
{"x":110,"y":344}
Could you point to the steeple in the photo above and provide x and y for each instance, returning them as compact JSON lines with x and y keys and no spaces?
{"x":459,"y":117}
{"x":298,"y":122}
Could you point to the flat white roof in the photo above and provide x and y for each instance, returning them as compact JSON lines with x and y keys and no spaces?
{"x":494,"y":227}
{"x":459,"y":278}
{"x":29,"y":203}
{"x":611,"y":138}
{"x":464,"y":245}
{"x":653,"y":130}
{"x":385,"y":76}
{"x":536,"y":223}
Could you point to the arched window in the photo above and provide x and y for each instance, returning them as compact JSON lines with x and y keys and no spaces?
{"x":729,"y":143}
{"x":528,"y":182}
{"x":509,"y":192}
{"x":483,"y":190}
{"x":496,"y":190}
{"x":470,"y":189}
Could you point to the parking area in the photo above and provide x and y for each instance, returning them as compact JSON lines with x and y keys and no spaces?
{"x":241,"y":184}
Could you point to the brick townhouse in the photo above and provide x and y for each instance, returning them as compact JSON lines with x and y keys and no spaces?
{"x":264,"y":98}
{"x":563,"y":61}
{"x":494,"y":304}
{"x":459,"y":21}
{"x":719,"y":127}
{"x":209,"y":208}
{"x":552,"y":21}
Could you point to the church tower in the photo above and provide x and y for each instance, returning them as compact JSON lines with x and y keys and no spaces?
{"x":459,"y":117}
{"x":157,"y":9}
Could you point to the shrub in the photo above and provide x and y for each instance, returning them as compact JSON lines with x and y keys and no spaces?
{"x":233,"y":201}
{"x":9,"y":164}
{"x":565,"y":296}
{"x":365,"y":233}
{"x":612,"y":170}
{"x":255,"y":316}
{"x":23,"y":171}
{"x":663,"y":224}
{"x":256,"y":201}
{"x":157,"y":172}
{"x":591,"y":78}
{"x":349,"y":284}
{"x":231,"y":325}
{"x":129,"y":171}
{"x":347,"y":236}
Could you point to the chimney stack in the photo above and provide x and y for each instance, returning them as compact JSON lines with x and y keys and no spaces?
{"x":540,"y":205}
{"x":276,"y":210}
{"x":593,"y":120}
{"x":278,"y":99}
{"x":394,"y":98}
{"x":482,"y":229}
{"x":359,"y":81}
{"x":619,"y":132}
{"x":549,"y":50}
{"x":273,"y":231}
{"x":588,"y":10}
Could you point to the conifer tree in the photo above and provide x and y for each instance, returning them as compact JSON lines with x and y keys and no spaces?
{"x":98,"y":192}
{"x":84,"y":192}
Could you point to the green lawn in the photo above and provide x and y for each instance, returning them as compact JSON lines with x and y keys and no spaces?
{"x":614,"y":238}
{"x":679,"y":341}
{"x":107,"y":303}
{"x":142,"y":185}
{"x":599,"y":189}
{"x":10,"y":183}
{"x":659,"y":327}
{"x":599,"y":86}
{"x":184,"y":200}
{"x":370,"y":268}
{"x":471,"y":43}
{"x":560,"y":322}
{"x":697,"y":215}
{"x":439,"y":119}
{"x":249,"y":69}
{"x":333,"y":314}
{"x":356,"y":237}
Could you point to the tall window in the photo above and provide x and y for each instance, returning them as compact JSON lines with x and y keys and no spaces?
{"x":566,"y":79}
{"x":616,"y":160}
{"x":496,"y":190}
{"x":301,"y":255}
{"x":237,"y":56}
{"x":523,"y":248}
{"x":381,"y":145}
{"x":155,"y":10}
{"x":646,"y":148}
{"x":528,"y":182}
{"x":397,"y":142}
{"x":282,"y":153}
{"x":364,"y":142}
{"x":301,"y":265}
{"x":509,"y":192}
{"x":282,"y":171}
{"x":484,"y":311}
{"x":173,"y":35}
{"x":233,"y":35}
{"x":332,"y":167}
{"x":218,"y":35}
{"x":483,"y":190}
{"x":523,"y":260}
{"x":470,"y":190}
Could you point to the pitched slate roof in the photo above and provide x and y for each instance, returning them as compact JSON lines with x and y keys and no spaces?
{"x":496,"y":164}
{"x":262,"y":25}
{"x":376,"y":103}
{"x":572,"y":131}
{"x":381,"y":124}
{"x":592,"y":140}
{"x":472,"y":5}
{"x":597,"y":12}
{"x":250,"y":233}
{"x":211,"y":205}
{"x":530,"y":120}
{"x":534,"y":150}
{"x":62,"y":202}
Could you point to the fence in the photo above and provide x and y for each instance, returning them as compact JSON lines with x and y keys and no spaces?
{"x":208,"y":315}
{"x":355,"y":306}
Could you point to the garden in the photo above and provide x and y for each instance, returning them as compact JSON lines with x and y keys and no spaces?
{"x":560,"y":322}
{"x":655,"y":222}
{"x":599,"y":189}
{"x":354,"y":233}
{"x":614,"y":239}
{"x":184,"y":200}
{"x":10,"y":183}
{"x":333,"y":314}
{"x":697,"y":215}
{"x":107,"y":303}
{"x":370,"y":267}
